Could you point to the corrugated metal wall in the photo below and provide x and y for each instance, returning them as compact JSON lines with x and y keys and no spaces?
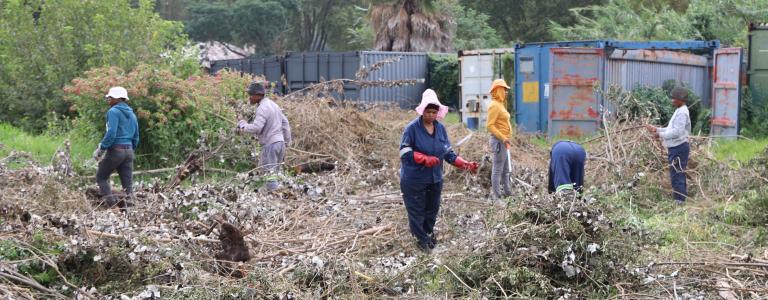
{"x":630,"y":68}
{"x":270,"y":67}
{"x":303,"y":69}
{"x":410,"y":66}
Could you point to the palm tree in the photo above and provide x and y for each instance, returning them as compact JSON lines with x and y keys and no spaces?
{"x":411,"y":26}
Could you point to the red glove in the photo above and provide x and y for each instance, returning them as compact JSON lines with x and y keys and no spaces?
{"x":465,"y":165}
{"x":426,"y":160}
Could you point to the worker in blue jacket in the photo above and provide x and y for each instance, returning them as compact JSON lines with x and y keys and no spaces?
{"x":119,"y":142}
{"x":566,"y":168}
{"x":423,"y":149}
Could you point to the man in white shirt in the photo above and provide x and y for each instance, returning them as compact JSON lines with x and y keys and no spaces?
{"x":272,"y":129}
{"x":675,"y":138}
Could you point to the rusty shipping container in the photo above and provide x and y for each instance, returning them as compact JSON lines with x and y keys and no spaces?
{"x":559,"y":98}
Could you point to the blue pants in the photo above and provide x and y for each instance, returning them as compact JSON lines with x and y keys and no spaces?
{"x":422,"y":201}
{"x":678,"y":162}
{"x":566,"y":166}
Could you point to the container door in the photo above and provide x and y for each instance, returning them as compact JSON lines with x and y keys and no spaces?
{"x":725,"y":92}
{"x":758,"y":63}
{"x":527,"y":86}
{"x":573,"y":103}
{"x":476,"y":79}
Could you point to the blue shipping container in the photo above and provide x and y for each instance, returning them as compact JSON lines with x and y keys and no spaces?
{"x":533,"y":65}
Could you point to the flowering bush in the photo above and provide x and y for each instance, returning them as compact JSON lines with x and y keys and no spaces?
{"x":172,"y":112}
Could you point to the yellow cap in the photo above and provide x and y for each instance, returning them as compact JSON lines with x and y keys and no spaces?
{"x":498,"y":83}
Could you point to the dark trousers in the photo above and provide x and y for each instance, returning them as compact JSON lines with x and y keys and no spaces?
{"x":566,"y":165}
{"x":422,"y":201}
{"x":120,"y":160}
{"x":678,"y":162}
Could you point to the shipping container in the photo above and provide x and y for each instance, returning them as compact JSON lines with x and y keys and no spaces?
{"x":477,"y":70}
{"x":757,"y":63}
{"x":726,"y":93}
{"x":555,"y":82}
{"x":271,"y":67}
{"x":307,"y":68}
{"x":297,"y":70}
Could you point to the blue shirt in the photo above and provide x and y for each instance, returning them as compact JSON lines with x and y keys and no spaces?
{"x":122,"y":127}
{"x":416,"y":138}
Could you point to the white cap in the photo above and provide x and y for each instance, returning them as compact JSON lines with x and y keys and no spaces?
{"x":117,"y":93}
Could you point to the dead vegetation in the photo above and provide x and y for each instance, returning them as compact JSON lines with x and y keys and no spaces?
{"x":341,"y":232}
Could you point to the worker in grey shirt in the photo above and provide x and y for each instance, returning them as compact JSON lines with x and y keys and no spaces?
{"x":675,"y":138}
{"x":272,"y":129}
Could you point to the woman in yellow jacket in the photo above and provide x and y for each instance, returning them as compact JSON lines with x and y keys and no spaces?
{"x":501,"y":131}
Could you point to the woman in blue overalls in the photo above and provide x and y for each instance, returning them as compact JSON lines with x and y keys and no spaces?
{"x":423,"y":149}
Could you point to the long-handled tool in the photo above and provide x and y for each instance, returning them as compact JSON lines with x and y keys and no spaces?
{"x":464,"y":140}
{"x":509,"y":167}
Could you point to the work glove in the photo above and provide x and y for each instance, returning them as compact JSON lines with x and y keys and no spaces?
{"x":98,"y":153}
{"x":240,"y":126}
{"x":425,"y":160}
{"x":465,"y":165}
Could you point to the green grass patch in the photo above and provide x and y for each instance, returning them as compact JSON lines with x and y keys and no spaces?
{"x":547,"y":142}
{"x":741,"y":150}
{"x":452,"y":118}
{"x":42,"y":147}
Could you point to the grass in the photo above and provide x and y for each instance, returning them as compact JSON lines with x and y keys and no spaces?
{"x":42,"y":147}
{"x":452,"y":118}
{"x":741,"y":150}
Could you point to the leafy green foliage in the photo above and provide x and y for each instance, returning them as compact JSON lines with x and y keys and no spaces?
{"x":702,"y":20}
{"x":654,"y":103}
{"x":251,"y":22}
{"x":44,"y":44}
{"x":444,"y":78}
{"x":472,"y":29}
{"x":274,"y":26}
{"x":172,"y":112}
{"x":753,"y":117}
{"x":25,"y":260}
{"x":526,"y":20}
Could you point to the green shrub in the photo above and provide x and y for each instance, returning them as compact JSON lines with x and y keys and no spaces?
{"x":444,"y":78}
{"x":655,"y":103}
{"x":753,"y":117}
{"x":172,"y":112}
{"x":40,"y":54}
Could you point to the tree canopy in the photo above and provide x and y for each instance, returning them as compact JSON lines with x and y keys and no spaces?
{"x":45,"y":44}
{"x":725,"y":20}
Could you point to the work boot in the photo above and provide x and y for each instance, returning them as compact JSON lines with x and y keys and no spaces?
{"x":433,"y":239}
{"x":425,"y":246}
{"x":108,"y":201}
{"x":567,"y":194}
